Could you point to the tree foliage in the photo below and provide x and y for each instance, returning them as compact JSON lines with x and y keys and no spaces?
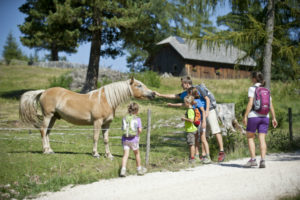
{"x":247,"y":30}
{"x":51,"y":25}
{"x":11,"y":50}
{"x":165,"y":18}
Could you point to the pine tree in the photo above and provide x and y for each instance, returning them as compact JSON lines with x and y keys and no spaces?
{"x":104,"y":24}
{"x":50,"y":25}
{"x":11,"y":49}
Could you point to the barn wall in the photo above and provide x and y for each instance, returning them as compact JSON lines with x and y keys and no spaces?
{"x":210,"y":72}
{"x":167,"y":59}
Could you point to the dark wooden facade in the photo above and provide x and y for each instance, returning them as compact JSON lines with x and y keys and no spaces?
{"x":167,"y":59}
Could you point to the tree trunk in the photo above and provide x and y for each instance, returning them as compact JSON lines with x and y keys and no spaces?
{"x":93,"y":67}
{"x":54,"y":53}
{"x":268,"y":46}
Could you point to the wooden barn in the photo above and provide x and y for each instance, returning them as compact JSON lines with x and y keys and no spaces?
{"x":178,"y":57}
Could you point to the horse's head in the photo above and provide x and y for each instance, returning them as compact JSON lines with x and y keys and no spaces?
{"x":139,"y":90}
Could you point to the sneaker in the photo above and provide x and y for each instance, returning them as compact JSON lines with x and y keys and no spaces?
{"x":192,"y":161}
{"x":251,"y":163}
{"x":207,"y":160}
{"x":222,"y":156}
{"x":202,"y":158}
{"x":123,"y":173}
{"x":141,"y":171}
{"x":262,"y":164}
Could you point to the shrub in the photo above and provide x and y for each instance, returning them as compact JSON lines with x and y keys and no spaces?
{"x":278,"y":141}
{"x":240,"y":106}
{"x":63,"y":81}
{"x":104,"y":81}
{"x":149,"y":78}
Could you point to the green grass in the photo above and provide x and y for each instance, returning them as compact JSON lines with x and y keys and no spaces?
{"x":29,"y":172}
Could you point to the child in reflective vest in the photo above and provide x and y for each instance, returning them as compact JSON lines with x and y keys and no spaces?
{"x":132,"y":127}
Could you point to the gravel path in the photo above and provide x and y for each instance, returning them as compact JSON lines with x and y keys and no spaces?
{"x":225,"y":181}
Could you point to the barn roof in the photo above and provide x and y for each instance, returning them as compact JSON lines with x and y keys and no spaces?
{"x":222,"y":54}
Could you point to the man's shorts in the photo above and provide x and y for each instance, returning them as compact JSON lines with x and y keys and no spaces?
{"x":261,"y":124}
{"x":212,"y":120}
{"x":190,"y":138}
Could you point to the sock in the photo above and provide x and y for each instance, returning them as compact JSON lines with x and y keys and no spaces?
{"x":192,"y":158}
{"x":123,"y":168}
{"x":139,"y":168}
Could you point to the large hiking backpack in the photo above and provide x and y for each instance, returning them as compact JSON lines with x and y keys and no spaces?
{"x":261,"y":103}
{"x":130,"y":125}
{"x":206,"y":92}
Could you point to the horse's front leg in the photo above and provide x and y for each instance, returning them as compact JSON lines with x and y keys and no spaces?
{"x":97,"y":127}
{"x":105,"y":128}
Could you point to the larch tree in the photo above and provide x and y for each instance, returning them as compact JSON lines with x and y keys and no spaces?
{"x":262,"y":28}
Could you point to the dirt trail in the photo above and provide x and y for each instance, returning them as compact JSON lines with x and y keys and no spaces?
{"x":225,"y":181}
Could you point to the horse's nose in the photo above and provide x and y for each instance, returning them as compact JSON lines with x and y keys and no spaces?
{"x":153,"y":94}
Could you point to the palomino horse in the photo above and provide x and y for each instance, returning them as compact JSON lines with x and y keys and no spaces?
{"x":94,"y":108}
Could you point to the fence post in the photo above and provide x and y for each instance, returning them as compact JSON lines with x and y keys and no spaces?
{"x":290,"y":124}
{"x":148,"y":137}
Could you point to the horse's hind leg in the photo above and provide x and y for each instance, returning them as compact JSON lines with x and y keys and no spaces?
{"x":52,"y":121}
{"x":97,"y":127}
{"x":105,"y":128}
{"x":43,"y":131}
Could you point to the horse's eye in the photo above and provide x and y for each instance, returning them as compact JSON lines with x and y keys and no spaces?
{"x":139,"y":86}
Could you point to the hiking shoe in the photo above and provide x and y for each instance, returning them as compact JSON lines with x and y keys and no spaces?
{"x":207,"y":160}
{"x":141,"y":171}
{"x":262,"y":164}
{"x":251,"y":163}
{"x":202,"y":158}
{"x":123,"y":173}
{"x":192,"y":161}
{"x":222,"y":156}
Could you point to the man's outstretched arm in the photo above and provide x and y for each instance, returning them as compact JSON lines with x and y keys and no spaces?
{"x":167,"y":96}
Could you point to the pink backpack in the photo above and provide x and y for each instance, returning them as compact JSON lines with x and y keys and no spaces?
{"x":262,"y":101}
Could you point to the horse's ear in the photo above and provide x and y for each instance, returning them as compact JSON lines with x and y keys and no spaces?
{"x":131,"y":80}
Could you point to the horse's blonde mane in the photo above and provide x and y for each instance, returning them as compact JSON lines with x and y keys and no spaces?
{"x":117,"y":93}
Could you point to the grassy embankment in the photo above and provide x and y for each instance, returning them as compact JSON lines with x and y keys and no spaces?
{"x":29,"y":172}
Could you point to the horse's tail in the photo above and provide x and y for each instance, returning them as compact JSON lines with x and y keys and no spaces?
{"x":28,"y":108}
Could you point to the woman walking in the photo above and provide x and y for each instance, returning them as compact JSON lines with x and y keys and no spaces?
{"x":256,"y":118}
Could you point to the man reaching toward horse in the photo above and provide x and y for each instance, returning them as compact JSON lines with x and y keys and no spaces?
{"x":210,"y":112}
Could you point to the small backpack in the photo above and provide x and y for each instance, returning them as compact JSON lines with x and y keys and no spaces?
{"x":261,"y":103}
{"x":130,"y":125}
{"x":197,"y":119}
{"x":209,"y":94}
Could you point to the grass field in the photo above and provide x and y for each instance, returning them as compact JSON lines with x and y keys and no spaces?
{"x":28,"y":171}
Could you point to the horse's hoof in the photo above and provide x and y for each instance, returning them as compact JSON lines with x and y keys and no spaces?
{"x":48,"y":152}
{"x":51,"y":151}
{"x":111,"y":157}
{"x":96,"y":155}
